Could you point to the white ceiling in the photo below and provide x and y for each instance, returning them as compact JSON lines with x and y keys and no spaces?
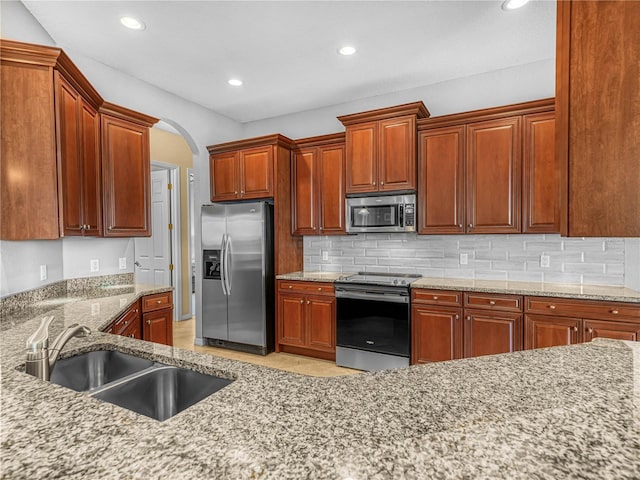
{"x":286,"y":52}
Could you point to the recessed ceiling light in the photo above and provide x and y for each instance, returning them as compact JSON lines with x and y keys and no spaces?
{"x":235,"y":82}
{"x":132,"y":23}
{"x":347,"y":50}
{"x":513,"y":4}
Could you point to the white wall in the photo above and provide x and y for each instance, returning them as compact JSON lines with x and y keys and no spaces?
{"x":522,"y":83}
{"x":77,"y":253}
{"x":632,"y":263}
{"x":20,"y":265}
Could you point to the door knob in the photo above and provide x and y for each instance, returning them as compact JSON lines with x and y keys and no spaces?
{"x":137,"y":264}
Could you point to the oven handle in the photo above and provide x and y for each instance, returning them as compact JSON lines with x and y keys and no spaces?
{"x":381,"y":297}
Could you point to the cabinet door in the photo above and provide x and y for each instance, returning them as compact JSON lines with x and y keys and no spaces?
{"x":597,"y":90}
{"x":615,"y":330}
{"x":224,"y":176}
{"x":490,"y":333}
{"x":441,"y":181}
{"x":91,"y":171}
{"x":540,"y":180}
{"x":68,"y":138}
{"x":331,"y":189}
{"x":304,"y":191}
{"x":321,"y":323}
{"x":397,"y":160}
{"x":546,"y":331}
{"x":291,"y":310}
{"x":158,"y":326}
{"x":256,"y":172}
{"x":126,"y":171}
{"x":493,"y":176}
{"x":436,"y":334}
{"x":362,"y":157}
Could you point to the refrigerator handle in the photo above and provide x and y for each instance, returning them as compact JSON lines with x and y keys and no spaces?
{"x":228,"y":265}
{"x":223,"y":266}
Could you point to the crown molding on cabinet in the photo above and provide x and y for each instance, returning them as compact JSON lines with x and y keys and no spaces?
{"x":416,"y":108}
{"x":321,"y":140}
{"x":275,"y":139}
{"x":123,"y":113}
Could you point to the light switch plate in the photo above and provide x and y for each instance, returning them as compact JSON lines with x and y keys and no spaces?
{"x":95,"y":265}
{"x":325,"y":256}
{"x":464,"y":258}
{"x":43,"y":272}
{"x":545,"y":261}
{"x":122,"y":263}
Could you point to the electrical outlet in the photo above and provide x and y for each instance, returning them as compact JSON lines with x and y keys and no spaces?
{"x":325,"y":256}
{"x":464,"y":258}
{"x":95,"y":265}
{"x":545,"y":261}
{"x":95,"y":309}
{"x":122,"y":263}
{"x":43,"y":272}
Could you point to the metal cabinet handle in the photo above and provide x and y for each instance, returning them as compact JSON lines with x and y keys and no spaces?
{"x":236,"y":192}
{"x":290,"y":286}
{"x":457,"y":317}
{"x":615,"y":312}
{"x":552,"y":307}
{"x":136,"y":310}
{"x":126,"y":322}
{"x":301,"y":301}
{"x":381,"y":183}
{"x":471,"y":225}
{"x":469,"y":317}
{"x":148,"y":322}
{"x":575,"y":329}
{"x":374,"y":183}
{"x":110,"y":227}
{"x":459,"y":225}
{"x":590,"y":330}
{"x":492,"y":302}
{"x":158,"y":301}
{"x":435,"y":297}
{"x":319,"y":289}
{"x":308,"y":302}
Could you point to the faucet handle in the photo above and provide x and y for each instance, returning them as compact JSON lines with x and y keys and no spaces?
{"x":39,"y":340}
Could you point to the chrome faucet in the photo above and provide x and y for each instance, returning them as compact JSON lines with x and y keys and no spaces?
{"x":41,"y":358}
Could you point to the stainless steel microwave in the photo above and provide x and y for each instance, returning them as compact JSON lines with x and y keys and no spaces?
{"x":388,"y":213}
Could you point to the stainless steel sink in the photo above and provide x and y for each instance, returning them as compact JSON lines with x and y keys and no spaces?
{"x":162,"y":392}
{"x":91,"y":370}
{"x":149,"y":388}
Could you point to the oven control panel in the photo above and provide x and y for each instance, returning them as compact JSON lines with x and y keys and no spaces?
{"x":410,"y":216}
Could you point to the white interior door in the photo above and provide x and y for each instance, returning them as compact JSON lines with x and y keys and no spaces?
{"x":153,"y":254}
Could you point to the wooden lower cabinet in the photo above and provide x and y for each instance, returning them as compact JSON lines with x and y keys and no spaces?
{"x":490,"y":333}
{"x":128,"y":324}
{"x":157,"y":326}
{"x":436,"y":334}
{"x":549,"y":331}
{"x":306,"y":321}
{"x":150,"y":318}
{"x":614,"y":330}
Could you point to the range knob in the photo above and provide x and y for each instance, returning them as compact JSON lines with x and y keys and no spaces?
{"x":395,"y":282}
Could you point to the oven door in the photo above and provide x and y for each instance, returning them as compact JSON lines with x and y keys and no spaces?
{"x":373,"y":322}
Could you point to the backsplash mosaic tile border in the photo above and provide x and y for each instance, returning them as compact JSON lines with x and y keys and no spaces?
{"x":588,"y":261}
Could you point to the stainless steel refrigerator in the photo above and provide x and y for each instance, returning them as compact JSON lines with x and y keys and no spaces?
{"x":238,"y":279}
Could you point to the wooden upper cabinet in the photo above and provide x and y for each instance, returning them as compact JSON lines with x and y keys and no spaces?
{"x":318,"y":186}
{"x":126,"y":172}
{"x":225,"y":177}
{"x":78,"y":138}
{"x":51,"y":172}
{"x":331,"y":189}
{"x":493,"y":176}
{"x":541,"y":177}
{"x":441,"y":180}
{"x":362,"y":157}
{"x":256,"y":172}
{"x":381,"y":148}
{"x":244,"y":169}
{"x":598,"y":117}
{"x":397,"y":163}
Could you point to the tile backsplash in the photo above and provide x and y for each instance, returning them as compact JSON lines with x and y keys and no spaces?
{"x":599,"y":261}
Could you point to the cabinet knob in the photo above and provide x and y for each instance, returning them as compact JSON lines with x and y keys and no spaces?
{"x":136,"y":310}
{"x":158,"y":301}
{"x":492,"y":302}
{"x":435,"y":297}
{"x":148,"y":322}
{"x":459,"y":225}
{"x":590,"y":330}
{"x":236,"y":192}
{"x":132,"y":335}
{"x":471,"y":225}
{"x":374,"y":183}
{"x":615,"y":312}
{"x":321,"y":228}
{"x":469,"y":317}
{"x":110,"y":227}
{"x":290,"y":286}
{"x":381,"y":183}
{"x":308,"y":302}
{"x":301,"y":301}
{"x":126,"y":322}
{"x":552,"y":307}
{"x":575,"y":329}
{"x":319,"y":289}
{"x":457,"y":317}
{"x":242,"y":192}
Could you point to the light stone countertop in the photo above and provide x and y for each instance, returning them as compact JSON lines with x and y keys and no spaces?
{"x":313,"y":276}
{"x":564,"y":412}
{"x":584,"y":292}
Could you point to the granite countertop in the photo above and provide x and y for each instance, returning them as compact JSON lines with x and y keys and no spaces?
{"x":564,"y":412}
{"x":584,"y":292}
{"x":313,"y":276}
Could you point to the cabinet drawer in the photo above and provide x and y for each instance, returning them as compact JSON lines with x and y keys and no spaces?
{"x":436,"y":297}
{"x":582,"y":308}
{"x":492,"y":301}
{"x":305,"y":287}
{"x":157,"y":301}
{"x":129,"y":318}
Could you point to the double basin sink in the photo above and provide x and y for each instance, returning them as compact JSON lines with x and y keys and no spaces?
{"x":146,"y":387}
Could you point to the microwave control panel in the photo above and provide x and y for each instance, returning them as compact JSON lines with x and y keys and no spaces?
{"x":410,"y":216}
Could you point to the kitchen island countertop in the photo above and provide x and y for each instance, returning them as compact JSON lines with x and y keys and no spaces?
{"x":564,"y":412}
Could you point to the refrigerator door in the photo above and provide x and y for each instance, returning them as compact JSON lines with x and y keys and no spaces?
{"x":246,"y":254}
{"x":214,"y":300}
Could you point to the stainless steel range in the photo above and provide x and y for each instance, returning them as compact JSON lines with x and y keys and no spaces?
{"x":374,"y":321}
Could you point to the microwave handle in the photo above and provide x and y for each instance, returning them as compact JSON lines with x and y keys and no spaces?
{"x":401,"y":215}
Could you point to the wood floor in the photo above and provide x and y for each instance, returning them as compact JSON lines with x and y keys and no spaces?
{"x":184,"y":333}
